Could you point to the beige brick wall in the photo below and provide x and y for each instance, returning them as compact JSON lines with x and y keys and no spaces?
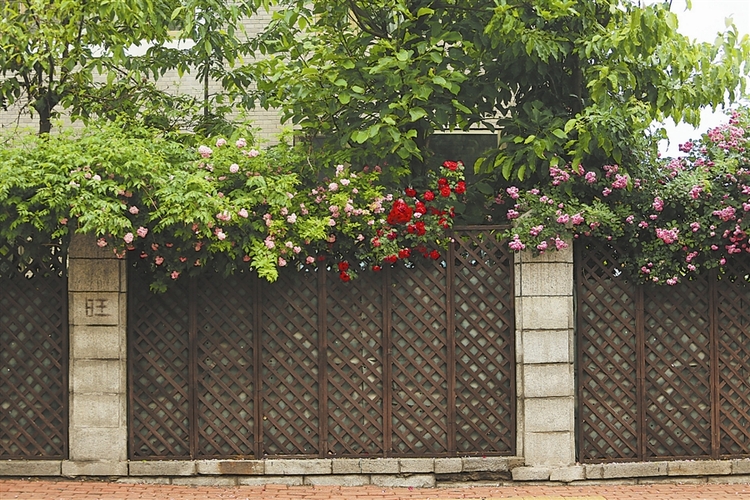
{"x":17,"y":116}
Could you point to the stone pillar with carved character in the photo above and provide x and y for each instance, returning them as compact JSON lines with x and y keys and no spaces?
{"x":98,"y":361}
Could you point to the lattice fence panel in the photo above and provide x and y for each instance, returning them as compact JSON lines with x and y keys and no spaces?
{"x":483,"y":298}
{"x":33,"y":357}
{"x":734,"y":359}
{"x":607,"y":356}
{"x":355,"y":365}
{"x":419,"y":353}
{"x":159,"y":406}
{"x":678,"y":390}
{"x":225,"y":366}
{"x":290,"y":365}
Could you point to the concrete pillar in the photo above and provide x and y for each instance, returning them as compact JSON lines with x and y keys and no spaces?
{"x":544,"y":358}
{"x":98,"y":361}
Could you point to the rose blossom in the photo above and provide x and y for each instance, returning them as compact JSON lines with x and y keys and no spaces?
{"x":128,"y":238}
{"x":133,"y":210}
{"x":234,"y":168}
{"x":204,"y":151}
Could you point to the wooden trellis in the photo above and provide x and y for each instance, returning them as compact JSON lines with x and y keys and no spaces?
{"x":663,"y":371}
{"x":406,"y":362}
{"x":33,"y":356}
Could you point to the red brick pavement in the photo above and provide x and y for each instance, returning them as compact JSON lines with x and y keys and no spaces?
{"x":90,"y":490}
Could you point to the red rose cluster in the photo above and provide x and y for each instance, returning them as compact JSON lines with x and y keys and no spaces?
{"x":417,"y":222}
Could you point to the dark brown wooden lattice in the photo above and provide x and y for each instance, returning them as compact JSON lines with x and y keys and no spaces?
{"x":688,"y":344}
{"x":33,"y":356}
{"x":159,"y":370}
{"x":484,"y":323}
{"x":225,"y":410}
{"x":678,"y":375}
{"x":734,"y":359}
{"x":290,"y":365}
{"x":405,"y":362}
{"x":606,"y":356}
{"x":419,"y":353}
{"x":355,"y":365}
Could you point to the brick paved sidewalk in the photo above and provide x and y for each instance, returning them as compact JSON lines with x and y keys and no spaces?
{"x":90,"y":490}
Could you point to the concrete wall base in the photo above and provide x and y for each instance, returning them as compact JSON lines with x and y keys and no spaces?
{"x":385,"y":472}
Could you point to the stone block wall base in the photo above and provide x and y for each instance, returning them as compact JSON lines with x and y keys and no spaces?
{"x":384,"y":472}
{"x":94,"y":468}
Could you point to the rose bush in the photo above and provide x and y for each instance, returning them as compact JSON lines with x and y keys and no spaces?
{"x":671,"y":217}
{"x":220,"y":205}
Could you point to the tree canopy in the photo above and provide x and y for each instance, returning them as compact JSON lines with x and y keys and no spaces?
{"x":565,"y":80}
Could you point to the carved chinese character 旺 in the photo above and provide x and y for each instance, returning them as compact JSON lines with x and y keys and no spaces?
{"x":96,"y":307}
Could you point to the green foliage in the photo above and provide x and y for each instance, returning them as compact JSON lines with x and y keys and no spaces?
{"x":376,"y":79}
{"x":225,"y":206}
{"x":672,"y":218}
{"x":567,"y":81}
{"x":72,"y":53}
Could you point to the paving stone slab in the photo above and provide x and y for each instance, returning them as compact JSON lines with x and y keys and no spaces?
{"x":337,"y":480}
{"x":162,"y":468}
{"x":407,"y":481}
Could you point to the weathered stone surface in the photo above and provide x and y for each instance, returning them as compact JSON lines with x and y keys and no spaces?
{"x":548,"y":380}
{"x":485,"y":464}
{"x":531,"y":473}
{"x":97,"y":376}
{"x":162,"y":468}
{"x":416,"y":465}
{"x":546,"y":347}
{"x":30,"y":467}
{"x":741,"y":466}
{"x":666,"y":480}
{"x":230,"y":467}
{"x":408,"y":481}
{"x":594,"y":471}
{"x":94,"y":308}
{"x":549,"y":414}
{"x":448,"y":465}
{"x":83,"y":246}
{"x":564,"y":255}
{"x":96,"y":443}
{"x":379,"y":466}
{"x":144,"y":480}
{"x":547,"y":279}
{"x":205,"y":481}
{"x":298,"y":467}
{"x":95,"y":342}
{"x":263,"y":480}
{"x":547,"y":313}
{"x":95,"y":410}
{"x":733,"y":479}
{"x":549,"y":449}
{"x":94,"y":275}
{"x":699,"y":468}
{"x":567,"y":474}
{"x":337,"y":480}
{"x":635,"y":469}
{"x":94,"y":468}
{"x":346,"y":466}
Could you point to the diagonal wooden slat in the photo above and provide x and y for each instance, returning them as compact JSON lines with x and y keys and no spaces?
{"x":607,"y":355}
{"x":225,"y":366}
{"x":33,"y":355}
{"x":484,"y":332}
{"x":419,"y":354}
{"x":158,"y":341}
